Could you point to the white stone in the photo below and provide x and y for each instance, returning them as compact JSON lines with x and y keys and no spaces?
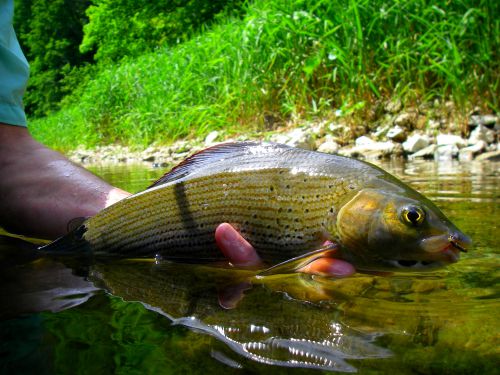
{"x":481,"y":133}
{"x":397,"y":134}
{"x":483,"y":119}
{"x":364,"y":141}
{"x":300,"y":138}
{"x":415,"y":143}
{"x":425,"y":152}
{"x":330,"y":147}
{"x":450,"y":140}
{"x":211,"y":137}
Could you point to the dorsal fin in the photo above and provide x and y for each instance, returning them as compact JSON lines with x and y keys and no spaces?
{"x":212,"y":154}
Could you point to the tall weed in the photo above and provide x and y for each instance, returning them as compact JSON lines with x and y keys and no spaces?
{"x":289,"y":59}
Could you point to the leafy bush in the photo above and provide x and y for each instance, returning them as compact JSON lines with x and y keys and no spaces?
{"x":120,"y":28}
{"x":290,"y":59}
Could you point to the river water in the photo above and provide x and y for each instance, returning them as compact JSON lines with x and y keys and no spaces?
{"x":63,"y":316}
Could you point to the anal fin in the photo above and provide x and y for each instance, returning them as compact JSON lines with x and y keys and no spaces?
{"x":295,"y":264}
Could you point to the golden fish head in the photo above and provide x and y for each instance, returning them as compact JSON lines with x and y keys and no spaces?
{"x":382,"y":230}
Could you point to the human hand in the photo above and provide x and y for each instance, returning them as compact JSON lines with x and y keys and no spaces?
{"x":241,"y":253}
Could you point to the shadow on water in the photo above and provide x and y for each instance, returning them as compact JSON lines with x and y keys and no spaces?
{"x":146,"y":317}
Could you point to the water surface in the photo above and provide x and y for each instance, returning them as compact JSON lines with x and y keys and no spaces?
{"x":61,"y":316}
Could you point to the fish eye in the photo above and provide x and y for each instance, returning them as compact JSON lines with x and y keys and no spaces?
{"x":413,"y":215}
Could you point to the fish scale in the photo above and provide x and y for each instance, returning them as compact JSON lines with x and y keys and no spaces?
{"x":267,"y":211}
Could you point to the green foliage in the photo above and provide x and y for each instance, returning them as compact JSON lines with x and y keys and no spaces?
{"x":120,"y":28}
{"x":289,"y":59}
{"x":50,"y":32}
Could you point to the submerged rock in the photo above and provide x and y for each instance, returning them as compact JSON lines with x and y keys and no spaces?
{"x":446,"y":152}
{"x":492,"y":156}
{"x":468,"y":153}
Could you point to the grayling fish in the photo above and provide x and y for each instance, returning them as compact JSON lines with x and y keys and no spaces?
{"x":286,"y":202}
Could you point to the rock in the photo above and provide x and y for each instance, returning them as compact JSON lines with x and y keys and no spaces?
{"x":279,"y":138}
{"x":397,"y":134}
{"x":487,"y":120}
{"x":426,"y":153}
{"x":468,"y":153}
{"x":450,"y":140}
{"x":405,"y":120}
{"x":492,"y":156}
{"x":446,"y":152}
{"x":369,"y":149}
{"x":211,"y":137}
{"x":364,"y":141}
{"x":415,"y":143}
{"x":433,"y":124}
{"x":381,"y":131}
{"x":300,"y":138}
{"x":393,"y":106}
{"x":481,"y":133}
{"x":318,"y":130}
{"x":330,"y":147}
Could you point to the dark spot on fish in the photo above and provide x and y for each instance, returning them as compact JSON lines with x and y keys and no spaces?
{"x":296,"y":220}
{"x":289,"y":210}
{"x":271,"y":188}
{"x":305,"y":179}
{"x":254,"y":216}
{"x":317,"y":196}
{"x":332,"y":210}
{"x":306,"y":210}
{"x":287,"y":186}
{"x":351,"y":187}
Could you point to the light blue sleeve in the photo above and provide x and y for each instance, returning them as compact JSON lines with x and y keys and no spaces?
{"x":14,"y":70}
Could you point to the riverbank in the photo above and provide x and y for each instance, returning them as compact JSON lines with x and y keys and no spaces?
{"x":422,"y":132}
{"x":278,"y":66}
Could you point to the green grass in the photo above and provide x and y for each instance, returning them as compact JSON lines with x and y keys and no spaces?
{"x":288,"y":59}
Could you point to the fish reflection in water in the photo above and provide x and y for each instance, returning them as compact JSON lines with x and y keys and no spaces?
{"x":265,"y":324}
{"x":266,"y":327}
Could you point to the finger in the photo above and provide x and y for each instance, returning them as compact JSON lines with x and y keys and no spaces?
{"x":329,"y":267}
{"x":235,"y":247}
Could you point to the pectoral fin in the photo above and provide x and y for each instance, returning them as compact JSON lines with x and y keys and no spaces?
{"x":295,"y":264}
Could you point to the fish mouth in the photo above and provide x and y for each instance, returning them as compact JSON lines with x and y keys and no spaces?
{"x":446,"y":247}
{"x":443,"y":249}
